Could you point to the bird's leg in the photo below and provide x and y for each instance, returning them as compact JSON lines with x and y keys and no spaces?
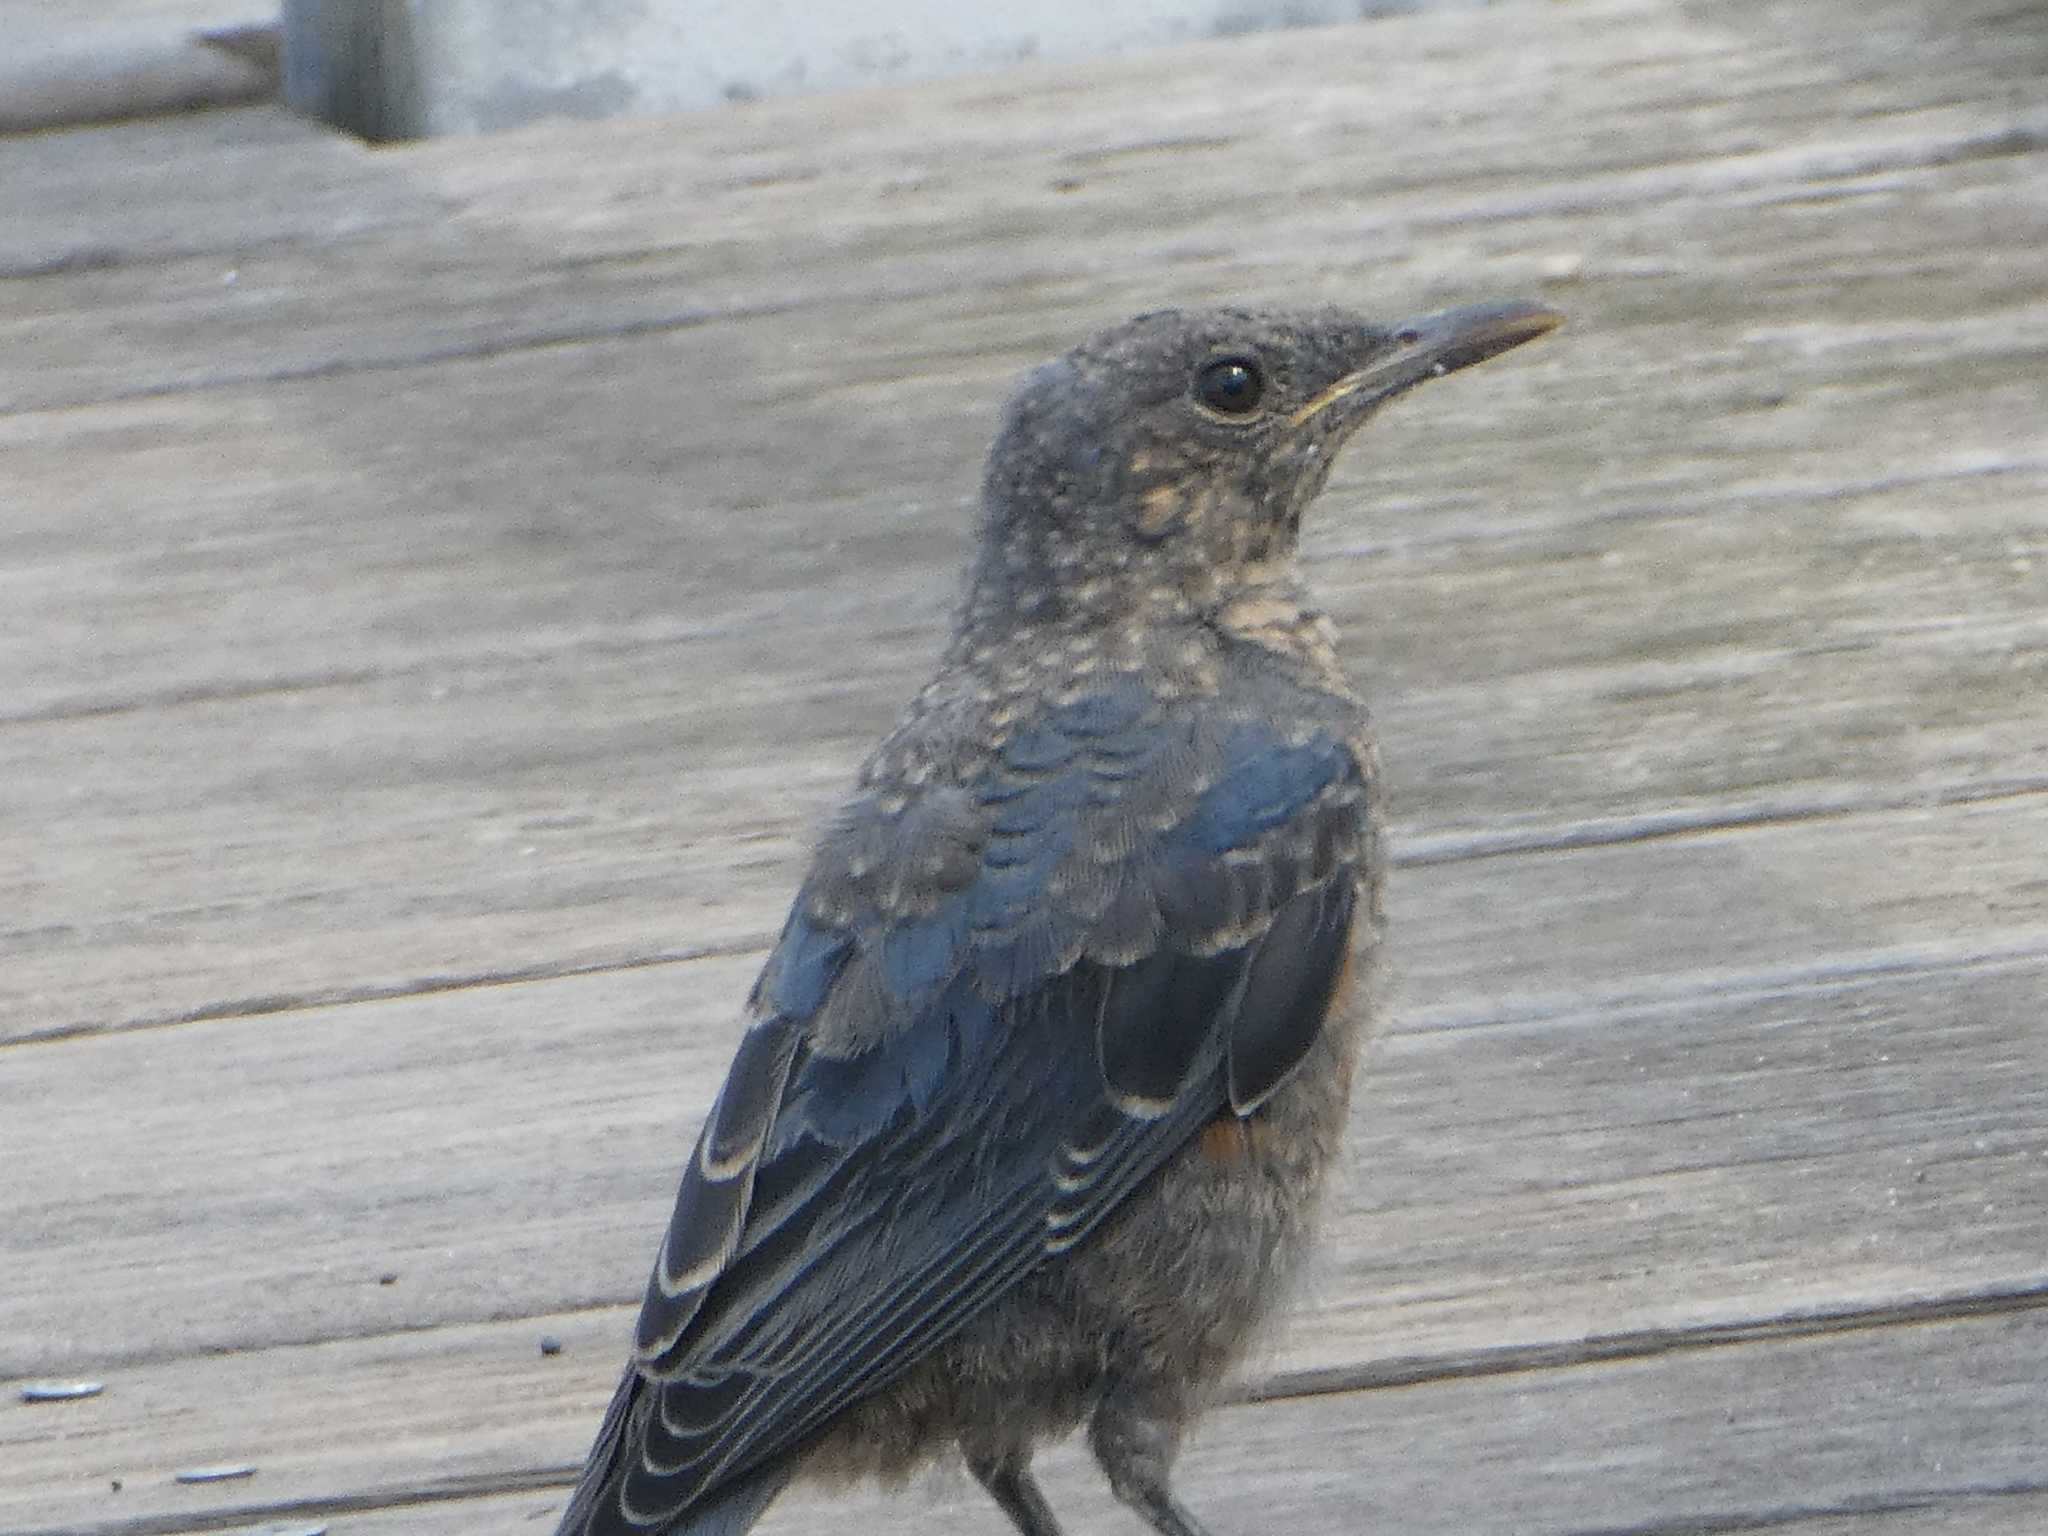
{"x":1009,"y":1482}
{"x":1135,"y":1446}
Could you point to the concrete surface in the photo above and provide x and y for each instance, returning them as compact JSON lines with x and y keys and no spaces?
{"x":411,"y":68}
{"x":69,"y":61}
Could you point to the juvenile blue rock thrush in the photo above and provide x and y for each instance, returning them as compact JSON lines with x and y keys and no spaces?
{"x":1043,"y":1077}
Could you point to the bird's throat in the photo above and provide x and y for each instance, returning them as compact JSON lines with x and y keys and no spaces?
{"x":1278,"y":619}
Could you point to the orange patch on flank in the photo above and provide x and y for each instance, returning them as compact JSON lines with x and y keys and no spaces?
{"x":1347,"y":978}
{"x":1228,"y":1140}
{"x":1225,"y":1141}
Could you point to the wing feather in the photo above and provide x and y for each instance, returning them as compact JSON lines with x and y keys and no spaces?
{"x":947,"y":1086}
{"x":1290,"y":981}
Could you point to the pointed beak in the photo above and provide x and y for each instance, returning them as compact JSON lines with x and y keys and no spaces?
{"x":1430,"y":347}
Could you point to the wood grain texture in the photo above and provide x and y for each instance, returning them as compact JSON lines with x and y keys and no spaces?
{"x":1874,"y":1429}
{"x":1692,"y":1082}
{"x":440,"y":589}
{"x":1741,"y":542}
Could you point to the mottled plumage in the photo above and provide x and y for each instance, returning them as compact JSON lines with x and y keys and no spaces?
{"x":1045,"y":1071}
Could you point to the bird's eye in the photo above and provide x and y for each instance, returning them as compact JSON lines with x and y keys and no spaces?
{"x":1231,"y":386}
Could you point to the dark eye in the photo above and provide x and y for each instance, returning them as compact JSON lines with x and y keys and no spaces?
{"x":1231,"y":386}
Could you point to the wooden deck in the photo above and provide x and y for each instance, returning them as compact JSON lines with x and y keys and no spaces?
{"x":441,"y":587}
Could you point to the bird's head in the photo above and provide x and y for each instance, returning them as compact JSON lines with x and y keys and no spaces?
{"x":1175,"y":454}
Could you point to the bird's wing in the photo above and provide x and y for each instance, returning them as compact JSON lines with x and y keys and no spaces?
{"x":995,"y":1009}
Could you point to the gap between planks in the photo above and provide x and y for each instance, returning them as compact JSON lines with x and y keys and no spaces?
{"x":1607,"y":191}
{"x":1552,"y":1414}
{"x":1681,"y":508}
{"x":1411,"y":853}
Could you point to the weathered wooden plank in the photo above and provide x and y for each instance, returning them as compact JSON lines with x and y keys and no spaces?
{"x":120,"y":60}
{"x":49,"y":25}
{"x":147,"y":191}
{"x":1723,"y":1047}
{"x":1865,"y":1433}
{"x":951,"y":141}
{"x":1566,"y":583}
{"x":450,"y":70}
{"x":653,"y":224}
{"x":459,"y":1407}
{"x":482,"y":285}
{"x":1968,"y":1514}
{"x":665,"y":520}
{"x":1989,"y":1514}
{"x":350,"y":757}
{"x":677,"y":520}
{"x":610,"y":482}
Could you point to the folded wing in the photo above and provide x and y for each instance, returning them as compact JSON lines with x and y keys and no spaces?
{"x":994,"y":1011}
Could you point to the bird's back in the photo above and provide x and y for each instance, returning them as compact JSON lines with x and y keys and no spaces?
{"x":1054,"y":968}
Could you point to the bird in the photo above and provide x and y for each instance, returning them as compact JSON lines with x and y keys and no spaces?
{"x":1041,"y":1082}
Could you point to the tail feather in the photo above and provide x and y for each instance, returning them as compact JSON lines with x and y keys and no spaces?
{"x":733,"y":1509}
{"x":728,"y":1510}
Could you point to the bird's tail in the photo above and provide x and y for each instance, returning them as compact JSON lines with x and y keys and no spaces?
{"x":733,"y":1509}
{"x":728,"y":1510}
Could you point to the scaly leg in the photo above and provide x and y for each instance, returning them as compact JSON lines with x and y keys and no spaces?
{"x":1009,"y":1482}
{"x":1135,"y":1446}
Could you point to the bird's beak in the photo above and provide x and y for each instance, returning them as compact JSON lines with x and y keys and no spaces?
{"x":1430,"y":347}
